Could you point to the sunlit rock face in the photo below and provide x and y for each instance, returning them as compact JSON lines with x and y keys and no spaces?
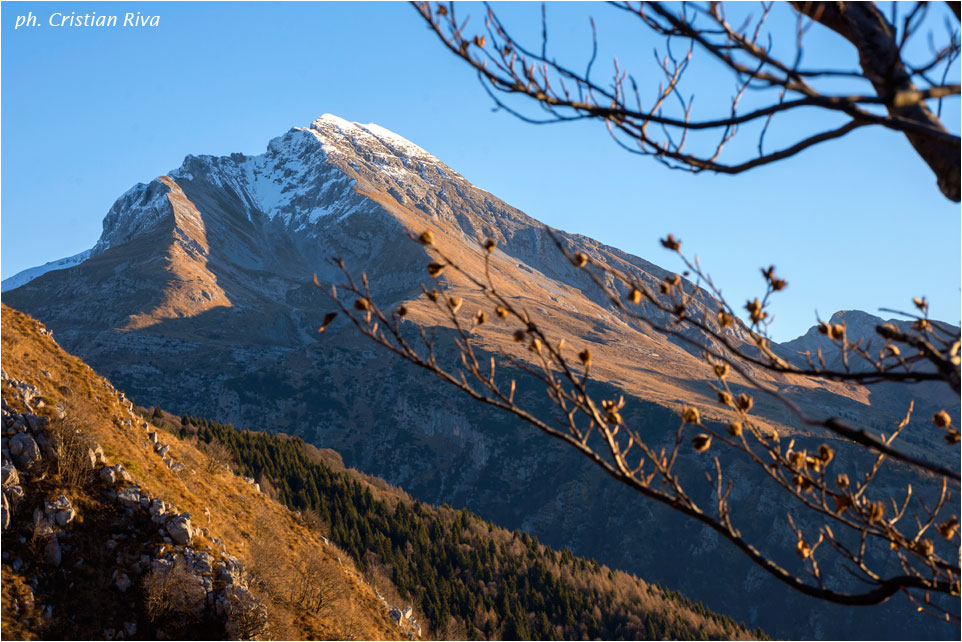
{"x":199,"y":297}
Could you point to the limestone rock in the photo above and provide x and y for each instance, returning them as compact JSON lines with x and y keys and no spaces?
{"x":51,"y":551}
{"x":157,"y":509}
{"x":10,"y":476}
{"x":123,"y":582}
{"x":47,"y":446}
{"x":27,"y":392}
{"x":95,"y":455}
{"x":129,"y":497}
{"x":36,"y":423}
{"x":114,"y":474}
{"x":60,"y":511}
{"x":24,"y":450}
{"x":180,"y":529}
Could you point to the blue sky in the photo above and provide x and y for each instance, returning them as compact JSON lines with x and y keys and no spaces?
{"x":87,"y":113}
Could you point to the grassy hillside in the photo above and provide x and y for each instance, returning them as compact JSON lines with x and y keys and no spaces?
{"x":313,"y":590}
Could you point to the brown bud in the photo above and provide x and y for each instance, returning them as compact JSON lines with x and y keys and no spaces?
{"x":842,"y":481}
{"x":435,"y":269}
{"x":479,"y":41}
{"x":755,"y":311}
{"x":920,"y":303}
{"x":701,"y":442}
{"x":826,"y":454}
{"x":454,"y":303}
{"x":535,"y":345}
{"x":330,"y":316}
{"x":942,"y":419}
{"x":585,"y":356}
{"x":735,"y":428}
{"x":779,"y":284}
{"x":725,"y":399}
{"x":949,"y":528}
{"x":797,"y":460}
{"x":426,"y":238}
{"x":725,"y":319}
{"x":580,"y":260}
{"x":611,"y":409}
{"x":433,"y":295}
{"x":721,"y":370}
{"x":803,"y":550}
{"x":834,"y":331}
{"x":842,"y":502}
{"x":690,"y":415}
{"x":924,"y":547}
{"x":402,"y":311}
{"x":801,"y":482}
{"x":634,"y":296}
{"x":951,"y":436}
{"x":876,"y":511}
{"x":501,"y":311}
{"x":745,"y":402}
{"x":480,"y":318}
{"x":519,"y":335}
{"x":362,"y":304}
{"x":673,"y":280}
{"x":490,"y":244}
{"x":670,"y":243}
{"x":888,"y":331}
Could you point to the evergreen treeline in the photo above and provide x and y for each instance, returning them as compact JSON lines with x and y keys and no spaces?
{"x":466,"y":575}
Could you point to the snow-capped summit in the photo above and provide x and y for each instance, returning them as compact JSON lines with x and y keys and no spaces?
{"x":329,"y":128}
{"x":224,"y":234}
{"x":306,"y":177}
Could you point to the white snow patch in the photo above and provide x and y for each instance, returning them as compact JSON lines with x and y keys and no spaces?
{"x":26,"y":276}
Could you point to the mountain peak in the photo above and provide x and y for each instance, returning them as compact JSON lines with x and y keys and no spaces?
{"x":332,"y":129}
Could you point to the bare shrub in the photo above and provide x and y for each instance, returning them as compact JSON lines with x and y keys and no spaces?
{"x":172,"y":594}
{"x":315,"y":585}
{"x":72,"y":450}
{"x":218,"y":457}
{"x":247,"y":617}
{"x":311,"y":519}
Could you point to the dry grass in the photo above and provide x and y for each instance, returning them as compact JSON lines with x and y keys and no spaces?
{"x":251,"y":525}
